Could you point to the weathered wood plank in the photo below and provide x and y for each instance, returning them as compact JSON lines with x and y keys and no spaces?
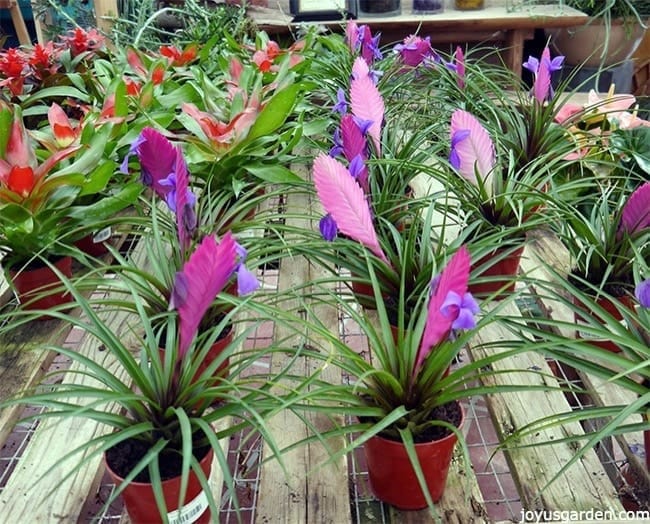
{"x":585,"y":484}
{"x":57,"y":499}
{"x":303,"y":495}
{"x":548,"y":249}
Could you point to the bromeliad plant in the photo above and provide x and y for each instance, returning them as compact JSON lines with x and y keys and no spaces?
{"x":364,"y":185}
{"x":171,"y":237}
{"x":161,"y":390}
{"x":604,"y":233}
{"x":41,"y":184}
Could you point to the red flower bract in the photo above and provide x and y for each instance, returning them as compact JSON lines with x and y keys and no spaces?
{"x":21,"y":180}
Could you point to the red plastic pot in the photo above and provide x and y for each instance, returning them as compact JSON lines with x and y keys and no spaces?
{"x":604,"y":302}
{"x":392,"y":477}
{"x":35,"y":285}
{"x":140,"y":501}
{"x":94,"y":244}
{"x":213,"y":353}
{"x":505,"y":267}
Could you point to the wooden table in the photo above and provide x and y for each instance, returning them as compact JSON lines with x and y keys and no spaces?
{"x":494,"y":23}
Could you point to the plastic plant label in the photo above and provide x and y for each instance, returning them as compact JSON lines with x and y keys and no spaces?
{"x":191,"y":511}
{"x":102,"y":235}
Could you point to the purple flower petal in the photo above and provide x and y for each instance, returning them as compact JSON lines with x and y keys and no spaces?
{"x":246,"y":281}
{"x":357,"y":166}
{"x":341,"y":105}
{"x":532,"y":64}
{"x":463,"y":309}
{"x":642,"y":293}
{"x":179,"y":291}
{"x":328,"y":227}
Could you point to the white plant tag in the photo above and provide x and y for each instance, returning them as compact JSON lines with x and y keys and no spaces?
{"x":102,"y":235}
{"x":191,"y":511}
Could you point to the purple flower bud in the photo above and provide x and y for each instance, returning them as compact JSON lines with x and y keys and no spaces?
{"x":357,"y":166}
{"x":642,"y":293}
{"x":363,"y":125}
{"x":341,"y":105}
{"x":179,"y":291}
{"x":328,"y":227}
{"x":246,"y":281}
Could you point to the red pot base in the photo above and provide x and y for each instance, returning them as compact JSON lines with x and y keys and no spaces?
{"x":392,"y":477}
{"x":140,"y":500}
{"x":506,"y":267}
{"x":35,"y":287}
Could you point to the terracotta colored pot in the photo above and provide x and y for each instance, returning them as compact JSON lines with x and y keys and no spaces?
{"x":364,"y":294}
{"x":586,"y":45}
{"x":506,"y":267}
{"x":31,"y":283}
{"x":95,"y":243}
{"x":392,"y":477}
{"x":213,"y":353}
{"x":141,"y":504}
{"x":626,"y":300}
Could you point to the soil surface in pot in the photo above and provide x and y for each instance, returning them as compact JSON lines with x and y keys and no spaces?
{"x":123,"y":457}
{"x":450,"y":413}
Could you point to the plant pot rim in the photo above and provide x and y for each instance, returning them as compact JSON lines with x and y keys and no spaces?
{"x":452,"y":434}
{"x":210,"y":451}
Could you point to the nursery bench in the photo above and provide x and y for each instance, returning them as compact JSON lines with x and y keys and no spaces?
{"x":324,"y":495}
{"x":494,"y":23}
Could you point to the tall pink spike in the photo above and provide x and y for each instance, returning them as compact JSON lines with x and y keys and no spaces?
{"x":354,"y":143}
{"x":476,"y":152}
{"x":542,"y":85}
{"x":636,"y":212}
{"x":344,"y":199}
{"x":453,"y":278}
{"x":367,"y":104}
{"x":203,"y":277}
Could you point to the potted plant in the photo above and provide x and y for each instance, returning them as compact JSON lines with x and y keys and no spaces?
{"x":612,"y":34}
{"x":161,"y":440}
{"x":405,"y":391}
{"x":39,"y":188}
{"x":603,"y":233}
{"x":504,"y":152}
{"x":171,"y":236}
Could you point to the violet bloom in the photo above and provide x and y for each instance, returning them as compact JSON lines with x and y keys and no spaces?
{"x":461,"y":309}
{"x":542,"y":70}
{"x":337,"y":148}
{"x":457,"y":138}
{"x":364,"y":125}
{"x":246,"y":280}
{"x":157,"y":156}
{"x":357,"y":166}
{"x":642,"y":293}
{"x":171,"y":197}
{"x":328,"y":227}
{"x":341,"y":105}
{"x":414,"y":50}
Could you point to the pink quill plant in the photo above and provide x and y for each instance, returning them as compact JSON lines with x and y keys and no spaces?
{"x":451,"y":306}
{"x":202,"y":278}
{"x":636,"y":212}
{"x":472,"y":150}
{"x":164,"y":169}
{"x":542,"y":69}
{"x":345,"y":202}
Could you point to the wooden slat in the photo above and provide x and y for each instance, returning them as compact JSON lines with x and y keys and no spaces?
{"x":545,"y":249}
{"x":585,"y":484}
{"x":53,"y":497}
{"x":303,"y":495}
